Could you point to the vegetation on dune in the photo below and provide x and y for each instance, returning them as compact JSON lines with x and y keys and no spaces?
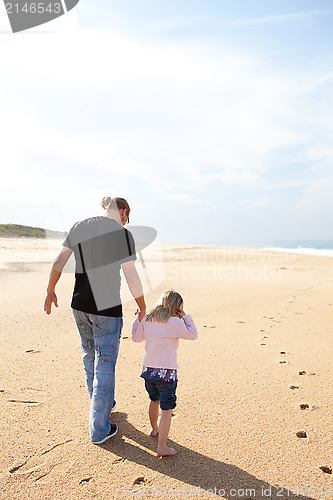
{"x":18,"y":231}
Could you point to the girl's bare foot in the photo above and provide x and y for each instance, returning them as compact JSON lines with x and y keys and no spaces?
{"x":153,"y":432}
{"x":165,"y":451}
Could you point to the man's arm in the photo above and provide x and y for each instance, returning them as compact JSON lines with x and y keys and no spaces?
{"x":135,"y":286}
{"x":55,"y":274}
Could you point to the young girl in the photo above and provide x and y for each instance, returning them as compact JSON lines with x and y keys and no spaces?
{"x":161,"y":329}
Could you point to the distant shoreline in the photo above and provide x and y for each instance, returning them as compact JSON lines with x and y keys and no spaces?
{"x":322,"y":248}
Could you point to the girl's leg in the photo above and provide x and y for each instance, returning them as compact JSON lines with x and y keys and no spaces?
{"x":150,"y":386}
{"x":153,"y":416}
{"x":164,"y":428}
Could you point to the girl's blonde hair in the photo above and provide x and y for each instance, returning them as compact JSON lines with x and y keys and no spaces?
{"x":167,"y":305}
{"x":115,"y":203}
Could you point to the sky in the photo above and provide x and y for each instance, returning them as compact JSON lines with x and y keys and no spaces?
{"x":214,"y":119}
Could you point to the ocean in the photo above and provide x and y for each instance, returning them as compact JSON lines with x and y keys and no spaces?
{"x":306,"y":247}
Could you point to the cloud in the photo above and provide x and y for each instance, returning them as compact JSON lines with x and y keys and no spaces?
{"x":279,"y":18}
{"x":172,"y":23}
{"x":88,"y":108}
{"x":262,"y":201}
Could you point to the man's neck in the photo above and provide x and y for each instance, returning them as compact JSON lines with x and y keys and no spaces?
{"x":113,"y":216}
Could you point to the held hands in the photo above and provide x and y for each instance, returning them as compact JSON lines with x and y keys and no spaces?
{"x":141,"y":314}
{"x":50,"y":298}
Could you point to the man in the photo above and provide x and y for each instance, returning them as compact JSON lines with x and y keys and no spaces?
{"x":101,"y":246}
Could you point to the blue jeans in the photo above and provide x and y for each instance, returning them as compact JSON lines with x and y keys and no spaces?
{"x":100,"y":336}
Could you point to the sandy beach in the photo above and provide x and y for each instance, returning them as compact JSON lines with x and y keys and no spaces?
{"x":260,"y":372}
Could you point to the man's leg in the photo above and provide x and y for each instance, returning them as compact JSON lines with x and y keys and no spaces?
{"x":85,"y":328}
{"x":107,"y":333}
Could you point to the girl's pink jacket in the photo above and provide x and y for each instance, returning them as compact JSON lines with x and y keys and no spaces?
{"x":162,"y":339}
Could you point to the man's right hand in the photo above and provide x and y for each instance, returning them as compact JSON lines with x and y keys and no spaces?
{"x":50,"y":298}
{"x":140,"y":313}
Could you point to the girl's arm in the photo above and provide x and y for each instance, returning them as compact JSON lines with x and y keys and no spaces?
{"x":185,"y":328}
{"x":137,"y":331}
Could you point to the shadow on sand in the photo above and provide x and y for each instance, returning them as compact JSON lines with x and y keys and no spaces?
{"x":201,"y":473}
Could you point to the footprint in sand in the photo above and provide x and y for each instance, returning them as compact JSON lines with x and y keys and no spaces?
{"x":139,"y":480}
{"x":85,"y":479}
{"x":326,"y":469}
{"x":45,"y":466}
{"x":31,"y":389}
{"x":25,"y":401}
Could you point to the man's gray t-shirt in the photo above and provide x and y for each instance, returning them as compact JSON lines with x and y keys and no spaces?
{"x":100,"y":246}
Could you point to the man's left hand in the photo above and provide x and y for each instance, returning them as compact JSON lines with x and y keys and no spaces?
{"x":50,"y":298}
